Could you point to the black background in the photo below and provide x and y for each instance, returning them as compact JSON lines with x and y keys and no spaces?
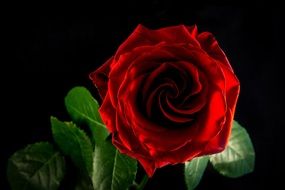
{"x":54,"y":52}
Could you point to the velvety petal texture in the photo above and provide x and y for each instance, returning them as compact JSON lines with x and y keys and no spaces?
{"x":169,"y":95}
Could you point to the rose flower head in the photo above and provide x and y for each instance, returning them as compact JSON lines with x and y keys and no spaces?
{"x":169,"y":95}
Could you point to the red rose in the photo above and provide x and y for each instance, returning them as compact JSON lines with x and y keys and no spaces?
{"x":169,"y":95}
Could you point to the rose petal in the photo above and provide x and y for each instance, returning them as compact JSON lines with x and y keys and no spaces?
{"x":196,"y":105}
{"x":211,"y":46}
{"x":100,"y":77}
{"x":177,"y":34}
{"x":219,"y":142}
{"x":232,"y":87}
{"x":201,"y":60}
{"x":143,"y":36}
{"x":151,"y":99}
{"x":192,"y":71}
{"x":149,"y":81}
{"x":194,"y":102}
{"x":213,"y":117}
{"x":148,"y":165}
{"x":119,"y":68}
{"x":173,"y":117}
{"x":136,"y":39}
{"x":146,"y":131}
{"x":193,"y":30}
{"x":125,"y":135}
{"x":128,"y":61}
{"x":181,"y":155}
{"x":108,"y":113}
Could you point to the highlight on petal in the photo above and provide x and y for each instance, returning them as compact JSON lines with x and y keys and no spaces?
{"x":232,"y":87}
{"x":213,"y":118}
{"x":193,"y":30}
{"x":219,"y":142}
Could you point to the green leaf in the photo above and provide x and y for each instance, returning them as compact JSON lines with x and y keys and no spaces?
{"x":74,"y":143}
{"x":83,"y":109}
{"x":37,"y":167}
{"x":81,"y":102}
{"x":194,"y":171}
{"x":112,"y":170}
{"x":238,"y":157}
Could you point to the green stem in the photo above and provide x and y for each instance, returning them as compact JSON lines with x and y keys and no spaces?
{"x":142,"y":183}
